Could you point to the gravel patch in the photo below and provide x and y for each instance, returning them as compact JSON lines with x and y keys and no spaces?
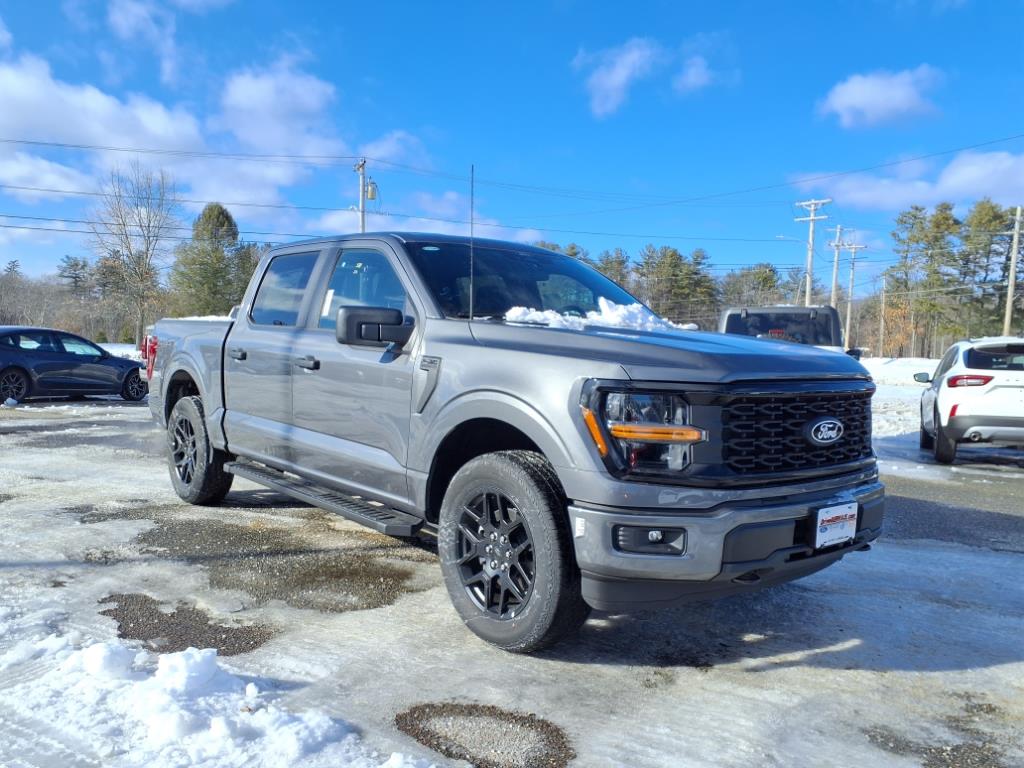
{"x":487,"y":736}
{"x":140,"y":617}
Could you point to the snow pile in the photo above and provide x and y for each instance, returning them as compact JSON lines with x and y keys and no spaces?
{"x":187,"y":710}
{"x":609,"y":314}
{"x":10,"y":402}
{"x":895,"y":408}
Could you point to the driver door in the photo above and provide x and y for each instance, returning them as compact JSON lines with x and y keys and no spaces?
{"x":351,"y":404}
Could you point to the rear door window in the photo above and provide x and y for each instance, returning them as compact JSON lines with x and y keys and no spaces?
{"x":279,"y":297}
{"x":1003,"y":357}
{"x":35,"y":341}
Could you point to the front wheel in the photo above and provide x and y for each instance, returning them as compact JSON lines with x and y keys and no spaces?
{"x":134,"y":388}
{"x":506,"y":554}
{"x":196,"y":467}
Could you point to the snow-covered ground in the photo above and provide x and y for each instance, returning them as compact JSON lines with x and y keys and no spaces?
{"x":884,"y":659}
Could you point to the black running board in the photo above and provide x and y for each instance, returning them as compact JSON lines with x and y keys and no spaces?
{"x":373,"y":515}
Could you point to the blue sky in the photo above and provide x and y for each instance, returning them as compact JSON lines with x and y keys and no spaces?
{"x":609,"y":113}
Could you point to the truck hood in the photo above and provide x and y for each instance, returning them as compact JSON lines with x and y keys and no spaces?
{"x":693,"y":356}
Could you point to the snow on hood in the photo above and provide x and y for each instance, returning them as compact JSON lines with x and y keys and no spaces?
{"x":609,"y":314}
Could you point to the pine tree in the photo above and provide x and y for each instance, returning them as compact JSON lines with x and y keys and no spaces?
{"x":615,"y":266}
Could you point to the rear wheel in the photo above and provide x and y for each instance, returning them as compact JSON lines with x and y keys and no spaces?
{"x":506,"y":554}
{"x":196,"y":467}
{"x":944,"y":446}
{"x":134,"y":388}
{"x":927,"y":441}
{"x":14,"y":385}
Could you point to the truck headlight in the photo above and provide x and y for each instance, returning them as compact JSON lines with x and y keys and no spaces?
{"x":642,"y":432}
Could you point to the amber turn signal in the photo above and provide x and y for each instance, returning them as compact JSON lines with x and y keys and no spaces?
{"x":595,"y":432}
{"x":656,"y":433}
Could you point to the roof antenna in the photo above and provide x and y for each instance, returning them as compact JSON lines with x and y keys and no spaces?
{"x":472,"y":191}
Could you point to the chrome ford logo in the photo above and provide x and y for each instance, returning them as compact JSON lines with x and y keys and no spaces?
{"x":823,"y":431}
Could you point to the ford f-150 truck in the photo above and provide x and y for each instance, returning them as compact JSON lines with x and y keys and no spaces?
{"x":480,"y":391}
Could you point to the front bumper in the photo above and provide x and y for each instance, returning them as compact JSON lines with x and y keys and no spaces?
{"x":728,"y":549}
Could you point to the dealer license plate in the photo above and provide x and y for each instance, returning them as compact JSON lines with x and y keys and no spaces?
{"x":834,"y":525}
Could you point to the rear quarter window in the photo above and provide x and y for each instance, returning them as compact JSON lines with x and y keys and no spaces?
{"x":1004,"y":357}
{"x":6,"y":342}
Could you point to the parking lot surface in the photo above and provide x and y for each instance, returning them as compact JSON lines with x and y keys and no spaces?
{"x":911,"y":654}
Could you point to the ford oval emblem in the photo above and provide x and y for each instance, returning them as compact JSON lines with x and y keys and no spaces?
{"x":824,"y":431}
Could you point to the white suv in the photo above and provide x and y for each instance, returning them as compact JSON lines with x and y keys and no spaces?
{"x":976,"y":395}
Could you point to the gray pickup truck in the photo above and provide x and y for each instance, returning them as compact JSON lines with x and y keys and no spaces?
{"x":481,"y":391}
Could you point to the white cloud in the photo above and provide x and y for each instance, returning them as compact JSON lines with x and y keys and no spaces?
{"x":613,"y":71}
{"x":695,"y":74}
{"x":145,"y":23}
{"x":279,"y":108}
{"x":26,"y":170}
{"x":879,"y":97}
{"x":5,"y":36}
{"x":395,"y":146}
{"x":967,"y":177}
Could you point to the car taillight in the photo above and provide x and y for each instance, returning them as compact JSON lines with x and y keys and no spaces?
{"x":149,"y":355}
{"x":968,"y":380}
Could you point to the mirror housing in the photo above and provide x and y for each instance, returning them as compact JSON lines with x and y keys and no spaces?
{"x":854,"y":352}
{"x":372,"y":327}
{"x":922,"y":378}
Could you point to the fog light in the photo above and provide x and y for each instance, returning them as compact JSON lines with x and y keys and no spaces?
{"x":649,"y":541}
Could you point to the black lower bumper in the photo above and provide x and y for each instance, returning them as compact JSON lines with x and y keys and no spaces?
{"x":755,"y":556}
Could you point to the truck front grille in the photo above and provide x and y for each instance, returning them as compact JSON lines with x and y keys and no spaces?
{"x":764,"y":433}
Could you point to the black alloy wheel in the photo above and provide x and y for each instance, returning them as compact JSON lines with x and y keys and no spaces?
{"x":134,"y":387}
{"x":184,"y":451}
{"x":495,"y":555}
{"x":13,"y":386}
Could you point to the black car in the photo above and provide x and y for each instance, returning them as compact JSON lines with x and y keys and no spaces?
{"x":39,"y":362}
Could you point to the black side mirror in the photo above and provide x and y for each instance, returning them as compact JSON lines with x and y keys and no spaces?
{"x":922,"y":378}
{"x":854,"y":353}
{"x":372,"y":327}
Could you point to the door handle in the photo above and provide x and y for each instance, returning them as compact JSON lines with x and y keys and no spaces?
{"x":308,"y":362}
{"x":237,"y":353}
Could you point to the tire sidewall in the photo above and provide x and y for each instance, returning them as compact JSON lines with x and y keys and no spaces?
{"x":187,"y":408}
{"x":25,"y":377}
{"x":498,"y":474}
{"x":125,"y":394}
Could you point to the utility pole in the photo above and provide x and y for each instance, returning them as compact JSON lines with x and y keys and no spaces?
{"x":1011,"y":283}
{"x":881,"y":323}
{"x":360,"y":168}
{"x":836,"y":245}
{"x":812,"y":206}
{"x":852,"y":248}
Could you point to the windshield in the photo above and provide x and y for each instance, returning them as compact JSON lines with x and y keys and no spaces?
{"x":512,"y":277}
{"x":797,"y":327}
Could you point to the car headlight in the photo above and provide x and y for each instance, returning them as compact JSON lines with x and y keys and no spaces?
{"x":642,"y":432}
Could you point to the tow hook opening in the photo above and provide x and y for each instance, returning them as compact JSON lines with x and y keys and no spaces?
{"x":750,"y":577}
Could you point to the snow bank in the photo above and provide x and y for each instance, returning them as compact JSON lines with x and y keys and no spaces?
{"x":609,"y":314}
{"x":183,"y":710}
{"x":129,"y":351}
{"x":898,"y":370}
{"x":10,"y":402}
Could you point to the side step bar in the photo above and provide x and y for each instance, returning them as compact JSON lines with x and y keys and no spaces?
{"x":371,"y":514}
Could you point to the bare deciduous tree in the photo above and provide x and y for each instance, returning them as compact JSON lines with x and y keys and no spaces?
{"x":136,"y":216}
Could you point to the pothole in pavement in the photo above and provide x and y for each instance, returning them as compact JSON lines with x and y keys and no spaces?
{"x":323,"y":569}
{"x":978,"y":749}
{"x":140,"y":617}
{"x":487,"y":736}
